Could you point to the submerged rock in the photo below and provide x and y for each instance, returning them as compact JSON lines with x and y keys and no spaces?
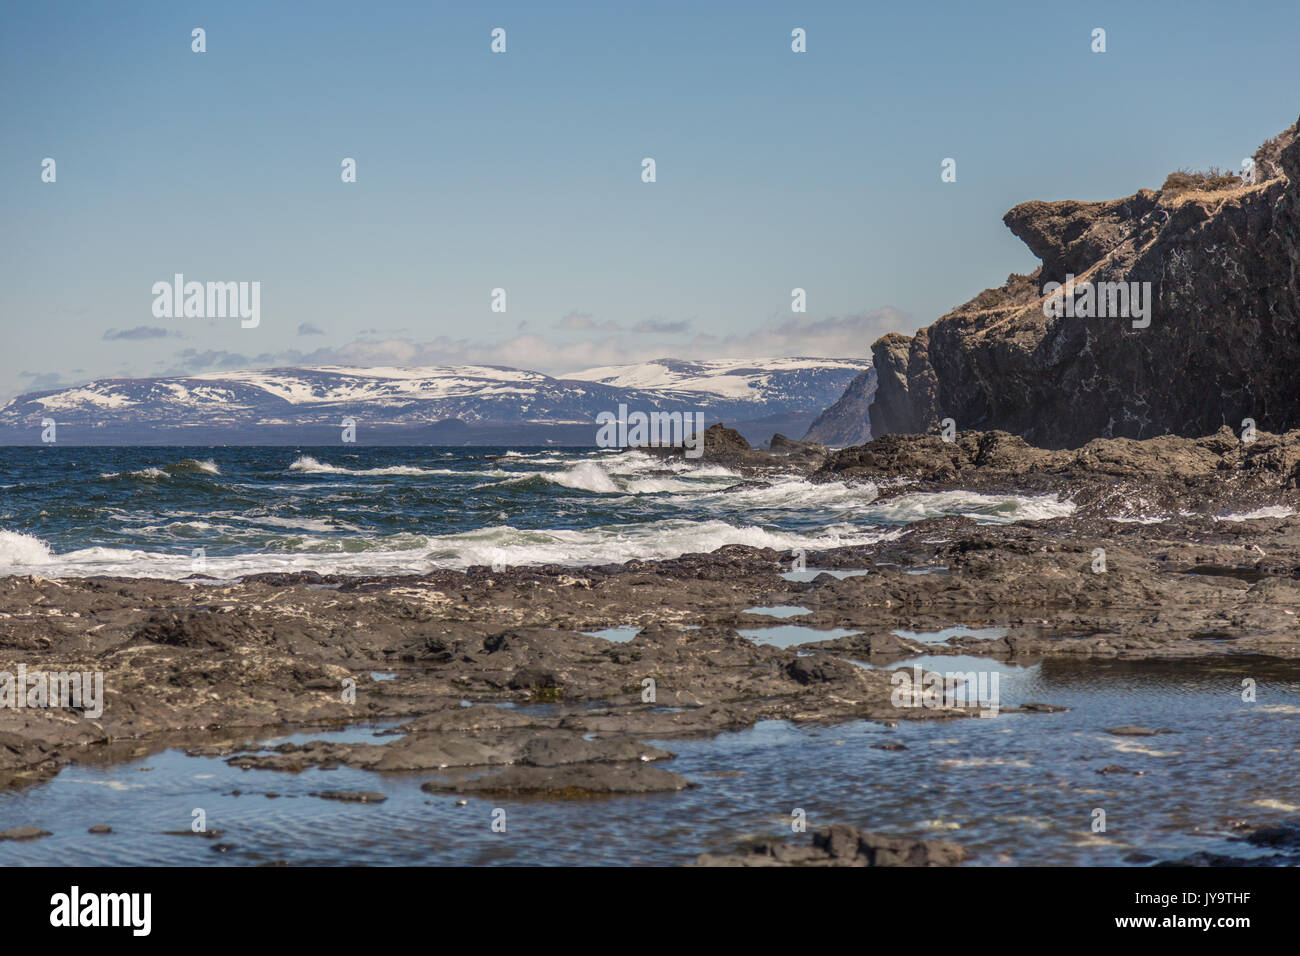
{"x":352,"y":796}
{"x":23,"y":834}
{"x":566,"y":782}
{"x":841,"y":845}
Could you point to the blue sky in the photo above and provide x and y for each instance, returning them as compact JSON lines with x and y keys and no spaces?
{"x":522,"y":170}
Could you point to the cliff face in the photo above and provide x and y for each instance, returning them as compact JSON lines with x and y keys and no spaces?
{"x":846,"y":422}
{"x":1222,"y":344}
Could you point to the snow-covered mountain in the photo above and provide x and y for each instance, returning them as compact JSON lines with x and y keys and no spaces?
{"x":781,"y":380}
{"x":458,"y":404}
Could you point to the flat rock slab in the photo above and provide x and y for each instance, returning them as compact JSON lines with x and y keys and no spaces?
{"x":23,"y":834}
{"x":1131,"y":730}
{"x":352,"y":796}
{"x":568,"y":782}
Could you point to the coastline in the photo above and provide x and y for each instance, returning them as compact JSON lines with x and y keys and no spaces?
{"x":458,"y":654}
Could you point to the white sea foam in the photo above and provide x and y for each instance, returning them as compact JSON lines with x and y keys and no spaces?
{"x":18,"y":551}
{"x":415,"y":553}
{"x":620,"y":478}
{"x":306,"y":464}
{"x":797,"y":494}
{"x":155,"y":472}
{"x":1000,"y":509}
{"x":859,"y":502}
{"x":585,"y":476}
{"x":151,"y":474}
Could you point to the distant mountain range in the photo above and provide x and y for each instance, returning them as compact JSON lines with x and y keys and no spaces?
{"x":470,"y":404}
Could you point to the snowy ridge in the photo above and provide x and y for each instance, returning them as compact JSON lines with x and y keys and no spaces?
{"x":739,"y":379}
{"x":473,"y":395}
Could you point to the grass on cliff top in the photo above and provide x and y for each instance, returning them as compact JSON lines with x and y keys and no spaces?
{"x":1204,"y":181}
{"x":1019,"y":290}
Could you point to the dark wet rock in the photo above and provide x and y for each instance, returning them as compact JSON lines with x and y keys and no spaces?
{"x":1132,"y":730}
{"x":534,"y":678}
{"x":882,"y":645}
{"x":554,"y":750}
{"x":1280,"y":836}
{"x":281,"y":578}
{"x":1204,"y":858}
{"x":1105,"y":477}
{"x":23,"y":834}
{"x":452,"y":718}
{"x":1284,"y":837}
{"x":536,"y":746}
{"x":723,"y":444}
{"x":791,"y":449}
{"x":841,"y":845}
{"x":100,"y":828}
{"x":726,"y":446}
{"x":1215,"y":260}
{"x":352,"y":796}
{"x":821,"y":669}
{"x":205,"y":629}
{"x":566,"y":782}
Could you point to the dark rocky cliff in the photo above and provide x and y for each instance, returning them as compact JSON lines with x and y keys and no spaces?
{"x":846,"y":422}
{"x":1223,"y":342}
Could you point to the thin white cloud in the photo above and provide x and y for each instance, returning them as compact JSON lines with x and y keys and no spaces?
{"x":847,"y":336}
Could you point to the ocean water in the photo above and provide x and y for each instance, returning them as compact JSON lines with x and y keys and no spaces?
{"x":348,"y":509}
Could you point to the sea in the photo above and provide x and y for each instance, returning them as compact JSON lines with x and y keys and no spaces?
{"x":169,"y":512}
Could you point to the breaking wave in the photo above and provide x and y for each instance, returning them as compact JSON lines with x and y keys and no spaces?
{"x":306,"y":464}
{"x":18,"y":550}
{"x":189,"y":466}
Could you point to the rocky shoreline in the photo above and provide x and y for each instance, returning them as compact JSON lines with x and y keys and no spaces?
{"x":459,"y":657}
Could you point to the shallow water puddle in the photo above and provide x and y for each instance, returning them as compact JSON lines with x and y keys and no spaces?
{"x":1013,"y":789}
{"x":811,"y":573}
{"x":791,"y":635}
{"x":944,"y":663}
{"x":942,"y":637}
{"x":619,"y":635}
{"x":781,"y":611}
